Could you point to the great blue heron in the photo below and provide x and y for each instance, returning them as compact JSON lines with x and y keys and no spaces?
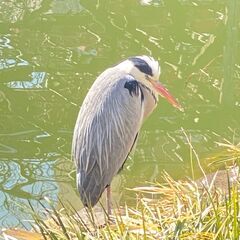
{"x":109,"y":121}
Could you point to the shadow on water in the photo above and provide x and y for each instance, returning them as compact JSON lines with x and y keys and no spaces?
{"x":51,"y":52}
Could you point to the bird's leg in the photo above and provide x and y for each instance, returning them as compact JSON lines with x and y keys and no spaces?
{"x":109,"y":201}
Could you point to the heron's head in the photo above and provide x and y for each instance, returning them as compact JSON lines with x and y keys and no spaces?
{"x":147,"y":71}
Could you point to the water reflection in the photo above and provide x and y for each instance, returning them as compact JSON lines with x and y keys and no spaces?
{"x":32,"y":164}
{"x":8,"y":50}
{"x":38,"y":80}
{"x":65,"y":7}
{"x":26,"y":178}
{"x":19,"y":183}
{"x":13,"y":11}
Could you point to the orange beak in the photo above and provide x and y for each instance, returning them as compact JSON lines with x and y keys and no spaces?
{"x":165,"y":93}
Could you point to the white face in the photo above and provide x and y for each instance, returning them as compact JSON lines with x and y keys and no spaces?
{"x":142,"y":68}
{"x":147,"y":71}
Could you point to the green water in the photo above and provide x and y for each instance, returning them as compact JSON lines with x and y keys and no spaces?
{"x":50,"y":53}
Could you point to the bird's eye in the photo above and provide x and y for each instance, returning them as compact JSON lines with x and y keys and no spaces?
{"x":147,"y":77}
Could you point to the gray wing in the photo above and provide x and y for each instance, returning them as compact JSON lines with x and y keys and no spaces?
{"x":107,"y":125}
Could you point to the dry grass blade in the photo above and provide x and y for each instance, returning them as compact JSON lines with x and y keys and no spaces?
{"x":229,"y":154}
{"x":169,"y":210}
{"x":173,"y":210}
{"x":19,"y":234}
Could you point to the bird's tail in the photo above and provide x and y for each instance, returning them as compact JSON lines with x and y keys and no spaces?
{"x":90,"y":190}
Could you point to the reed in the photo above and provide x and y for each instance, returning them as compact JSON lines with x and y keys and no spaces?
{"x":173,"y":209}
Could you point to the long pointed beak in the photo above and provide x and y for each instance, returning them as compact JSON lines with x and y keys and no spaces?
{"x":165,"y":93}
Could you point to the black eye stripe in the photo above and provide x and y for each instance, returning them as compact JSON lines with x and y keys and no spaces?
{"x":141,"y":65}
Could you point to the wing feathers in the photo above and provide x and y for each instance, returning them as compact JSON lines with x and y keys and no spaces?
{"x":105,"y":131}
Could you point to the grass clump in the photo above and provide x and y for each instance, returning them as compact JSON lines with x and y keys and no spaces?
{"x":173,"y":210}
{"x":201,"y":209}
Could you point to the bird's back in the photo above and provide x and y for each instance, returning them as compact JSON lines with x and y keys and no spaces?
{"x":107,"y":124}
